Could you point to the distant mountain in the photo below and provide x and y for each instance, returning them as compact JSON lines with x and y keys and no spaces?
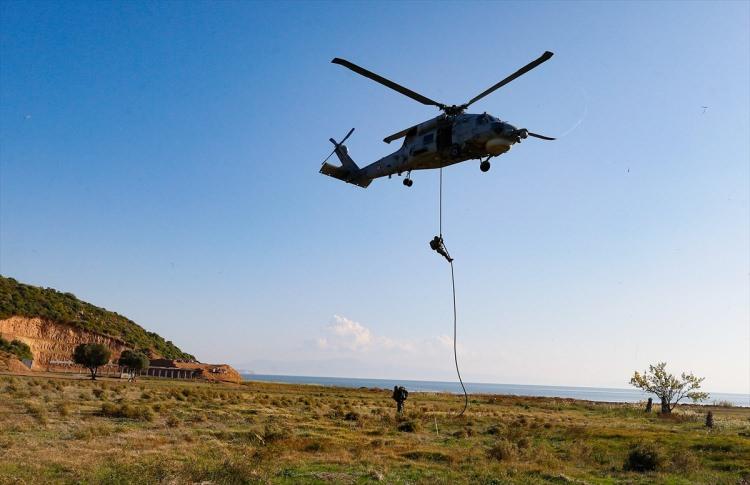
{"x":20,"y":300}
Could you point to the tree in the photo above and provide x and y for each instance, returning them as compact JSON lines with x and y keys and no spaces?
{"x":667,"y":387}
{"x":133,"y":361}
{"x":92,"y":356}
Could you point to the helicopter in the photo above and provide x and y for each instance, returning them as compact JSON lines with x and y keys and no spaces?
{"x":452,"y":137}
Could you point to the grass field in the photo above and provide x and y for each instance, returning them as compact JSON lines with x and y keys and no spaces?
{"x":64,"y":430}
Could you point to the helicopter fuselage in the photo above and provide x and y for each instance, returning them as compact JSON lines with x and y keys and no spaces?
{"x":446,"y":140}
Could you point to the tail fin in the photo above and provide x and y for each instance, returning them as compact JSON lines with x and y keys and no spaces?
{"x":348,"y":171}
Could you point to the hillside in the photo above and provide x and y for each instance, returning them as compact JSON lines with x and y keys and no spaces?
{"x":32,"y":302}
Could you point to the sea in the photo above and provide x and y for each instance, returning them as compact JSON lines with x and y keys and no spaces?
{"x":600,"y":394}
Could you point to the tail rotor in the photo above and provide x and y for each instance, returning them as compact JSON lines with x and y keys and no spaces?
{"x":336,"y":145}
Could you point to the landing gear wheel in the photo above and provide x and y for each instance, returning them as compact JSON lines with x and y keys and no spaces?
{"x":408,"y":182}
{"x":455,"y":151}
{"x":484,"y":166}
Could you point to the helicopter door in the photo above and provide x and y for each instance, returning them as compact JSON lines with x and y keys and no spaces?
{"x":444,"y":137}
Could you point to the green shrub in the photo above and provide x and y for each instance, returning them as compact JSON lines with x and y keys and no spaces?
{"x":643,"y":457}
{"x":17,"y":348}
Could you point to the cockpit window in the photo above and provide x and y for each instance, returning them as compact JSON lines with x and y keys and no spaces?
{"x":428,"y":138}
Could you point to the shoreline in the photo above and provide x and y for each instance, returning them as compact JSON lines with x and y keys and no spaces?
{"x":580,"y":393}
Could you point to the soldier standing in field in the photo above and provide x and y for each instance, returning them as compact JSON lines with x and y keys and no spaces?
{"x":399,"y":395}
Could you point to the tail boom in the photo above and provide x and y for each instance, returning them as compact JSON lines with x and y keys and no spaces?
{"x":349,"y":172}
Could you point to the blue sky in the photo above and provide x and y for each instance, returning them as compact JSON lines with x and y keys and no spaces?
{"x":160,"y":160}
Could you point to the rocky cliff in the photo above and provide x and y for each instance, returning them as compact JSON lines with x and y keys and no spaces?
{"x":53,"y":342}
{"x":22,"y":300}
{"x":52,"y":324}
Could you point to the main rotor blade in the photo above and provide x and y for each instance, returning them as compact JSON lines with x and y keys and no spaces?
{"x":386,"y":82}
{"x":541,"y":136}
{"x":528,"y":67}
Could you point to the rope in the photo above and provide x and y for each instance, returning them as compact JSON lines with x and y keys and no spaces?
{"x":440,"y":211}
{"x":453,"y":286}
{"x":455,"y":353}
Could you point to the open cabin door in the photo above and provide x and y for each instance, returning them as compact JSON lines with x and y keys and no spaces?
{"x":444,"y":136}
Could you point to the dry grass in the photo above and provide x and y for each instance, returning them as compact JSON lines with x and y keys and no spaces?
{"x":63,"y":430}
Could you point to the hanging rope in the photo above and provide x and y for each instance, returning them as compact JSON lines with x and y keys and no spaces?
{"x":440,"y":205}
{"x":453,"y":286}
{"x":455,"y":353}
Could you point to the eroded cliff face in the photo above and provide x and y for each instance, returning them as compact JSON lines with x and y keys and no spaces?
{"x":51,"y":341}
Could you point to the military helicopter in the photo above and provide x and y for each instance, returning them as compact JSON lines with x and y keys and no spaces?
{"x":451,"y":137}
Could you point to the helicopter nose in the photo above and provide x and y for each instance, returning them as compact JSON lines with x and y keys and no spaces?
{"x":502,"y":128}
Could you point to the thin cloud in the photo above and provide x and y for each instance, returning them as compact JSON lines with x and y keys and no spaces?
{"x":346,"y":335}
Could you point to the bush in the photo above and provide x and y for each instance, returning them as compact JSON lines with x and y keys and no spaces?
{"x":351,"y":416}
{"x":37,"y":411}
{"x":273,"y":432}
{"x":643,"y":457}
{"x":127,"y":411}
{"x":314,"y":447}
{"x":17,"y":348}
{"x":63,"y":409}
{"x":685,"y":462}
{"x":408,"y":427}
{"x":503,"y":450}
